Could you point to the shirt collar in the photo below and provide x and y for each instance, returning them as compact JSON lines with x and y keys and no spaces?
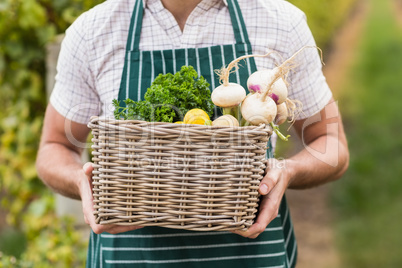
{"x":145,"y":2}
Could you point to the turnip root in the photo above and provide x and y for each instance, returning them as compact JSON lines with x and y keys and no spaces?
{"x":269,"y":89}
{"x":281,"y":114}
{"x":258,"y":109}
{"x":284,"y":113}
{"x":226,"y":121}
{"x":294,"y":108}
{"x":228,"y":96}
{"x":288,"y":110}
{"x":272,"y":84}
{"x":259,"y":81}
{"x":282,"y":70}
{"x":280,"y":118}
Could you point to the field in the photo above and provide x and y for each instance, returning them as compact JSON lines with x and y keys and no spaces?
{"x":368,"y":200}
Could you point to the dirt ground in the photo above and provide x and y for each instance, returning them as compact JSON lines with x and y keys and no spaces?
{"x":2,"y":218}
{"x":312,"y":217}
{"x":397,"y":5}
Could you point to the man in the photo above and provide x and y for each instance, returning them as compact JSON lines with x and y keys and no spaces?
{"x":96,"y":63}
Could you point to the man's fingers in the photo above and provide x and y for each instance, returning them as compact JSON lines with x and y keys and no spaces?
{"x":274,"y":172}
{"x":115,"y":229}
{"x":269,"y":206}
{"x":111,"y":229}
{"x":88,"y":168}
{"x":268,"y":212}
{"x":269,"y":181}
{"x":87,"y":204}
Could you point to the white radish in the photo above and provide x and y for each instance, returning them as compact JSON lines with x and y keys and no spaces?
{"x":230,"y":95}
{"x":258,"y":109}
{"x":281,"y":114}
{"x":226,"y":121}
{"x":261,"y":101}
{"x":286,"y":110}
{"x":259,"y":81}
{"x":261,"y":107}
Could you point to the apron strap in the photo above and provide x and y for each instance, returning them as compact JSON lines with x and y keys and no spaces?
{"x":134,"y":35}
{"x":239,"y":27}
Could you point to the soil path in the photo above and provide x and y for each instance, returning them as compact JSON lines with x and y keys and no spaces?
{"x":312,"y":217}
{"x":397,"y":4}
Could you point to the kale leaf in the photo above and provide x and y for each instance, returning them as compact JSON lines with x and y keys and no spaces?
{"x":169,"y":98}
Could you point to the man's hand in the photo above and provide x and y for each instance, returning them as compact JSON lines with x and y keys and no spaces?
{"x":324,"y":158}
{"x":59,"y":165}
{"x":272,"y":189}
{"x":88,"y":206}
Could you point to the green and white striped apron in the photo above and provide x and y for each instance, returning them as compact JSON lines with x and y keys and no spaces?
{"x":163,"y":247}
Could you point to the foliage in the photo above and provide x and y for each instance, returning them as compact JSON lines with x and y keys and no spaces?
{"x":26,"y":26}
{"x":368,"y":199}
{"x":169,"y":98}
{"x":53,"y":241}
{"x":12,"y":241}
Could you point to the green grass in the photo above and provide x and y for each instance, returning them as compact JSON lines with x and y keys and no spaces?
{"x":368,"y":200}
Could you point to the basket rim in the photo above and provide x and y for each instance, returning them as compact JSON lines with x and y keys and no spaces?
{"x":112,"y":121}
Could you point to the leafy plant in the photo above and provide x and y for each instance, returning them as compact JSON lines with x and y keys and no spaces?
{"x":169,"y":98}
{"x":26,"y":26}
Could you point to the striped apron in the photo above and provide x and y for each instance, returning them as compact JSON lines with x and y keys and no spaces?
{"x":163,"y":247}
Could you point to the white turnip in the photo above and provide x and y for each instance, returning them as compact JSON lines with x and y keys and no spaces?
{"x":258,"y":109}
{"x":272,"y":82}
{"x":226,"y":121}
{"x":228,"y":95}
{"x":281,"y":114}
{"x":259,"y":81}
{"x":269,"y":89}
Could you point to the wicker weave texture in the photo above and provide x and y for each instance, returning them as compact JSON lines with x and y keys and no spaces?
{"x":179,"y":176}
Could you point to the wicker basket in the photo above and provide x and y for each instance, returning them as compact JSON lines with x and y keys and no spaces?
{"x":176,"y":176}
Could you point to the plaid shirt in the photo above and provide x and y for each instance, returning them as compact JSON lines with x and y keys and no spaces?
{"x":92,"y":54}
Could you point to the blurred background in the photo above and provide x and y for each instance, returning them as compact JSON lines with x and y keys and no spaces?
{"x":353,"y":222}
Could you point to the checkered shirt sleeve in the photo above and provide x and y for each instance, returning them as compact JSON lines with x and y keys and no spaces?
{"x":74,"y":95}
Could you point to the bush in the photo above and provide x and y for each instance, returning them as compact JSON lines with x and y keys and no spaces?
{"x":26,"y":26}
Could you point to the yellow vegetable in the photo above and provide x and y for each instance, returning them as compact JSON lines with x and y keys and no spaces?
{"x":208,"y":123}
{"x":179,"y":122}
{"x":196,"y":116}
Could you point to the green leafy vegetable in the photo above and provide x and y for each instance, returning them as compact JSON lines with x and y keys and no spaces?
{"x":169,"y":98}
